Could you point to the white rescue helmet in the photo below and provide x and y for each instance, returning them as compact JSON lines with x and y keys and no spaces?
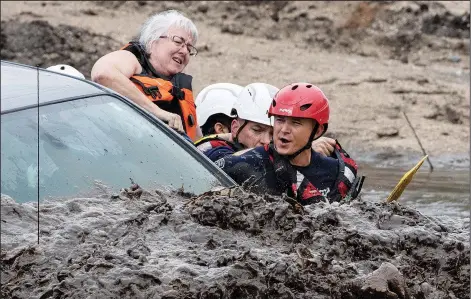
{"x":254,"y":101}
{"x":66,"y":69}
{"x":214,"y":99}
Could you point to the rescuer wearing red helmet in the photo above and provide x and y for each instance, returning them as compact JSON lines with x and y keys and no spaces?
{"x":288,"y":164}
{"x":301,"y":114}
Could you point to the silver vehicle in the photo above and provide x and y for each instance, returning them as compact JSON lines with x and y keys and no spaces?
{"x":81,"y":133}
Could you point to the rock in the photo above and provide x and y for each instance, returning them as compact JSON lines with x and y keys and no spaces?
{"x":423,"y":81}
{"x":384,"y":283}
{"x":202,"y":7}
{"x":452,"y":115}
{"x":376,"y":80}
{"x":110,"y":4}
{"x":89,"y":12}
{"x":203,"y":47}
{"x":272,"y":35}
{"x":434,"y":113}
{"x":232,"y":28}
{"x":454,"y":58}
{"x":426,"y":289}
{"x":387,"y":132}
{"x":446,"y":24}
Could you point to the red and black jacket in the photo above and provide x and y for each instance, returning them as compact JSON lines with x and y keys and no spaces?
{"x":262,"y":170}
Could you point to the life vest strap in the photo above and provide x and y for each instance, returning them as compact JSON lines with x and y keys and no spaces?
{"x":345,"y":187}
{"x":152,"y":91}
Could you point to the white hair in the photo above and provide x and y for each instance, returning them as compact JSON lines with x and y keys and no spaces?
{"x":159,"y":24}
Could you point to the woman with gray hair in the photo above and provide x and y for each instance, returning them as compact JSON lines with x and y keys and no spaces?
{"x":149,"y":71}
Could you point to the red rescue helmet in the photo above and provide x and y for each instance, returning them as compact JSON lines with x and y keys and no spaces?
{"x":301,"y":100}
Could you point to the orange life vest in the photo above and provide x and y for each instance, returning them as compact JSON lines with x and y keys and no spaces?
{"x":161,"y":90}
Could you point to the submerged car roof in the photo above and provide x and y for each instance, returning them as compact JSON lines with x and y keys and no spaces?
{"x":19,"y":90}
{"x":19,"y":86}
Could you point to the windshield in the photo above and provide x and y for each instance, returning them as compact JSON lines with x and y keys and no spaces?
{"x":84,"y":140}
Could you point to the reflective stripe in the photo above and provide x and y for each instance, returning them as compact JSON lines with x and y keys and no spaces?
{"x":349,"y":174}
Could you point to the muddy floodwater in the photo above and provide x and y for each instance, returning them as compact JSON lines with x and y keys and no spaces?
{"x":441,"y":193}
{"x":230,"y":245}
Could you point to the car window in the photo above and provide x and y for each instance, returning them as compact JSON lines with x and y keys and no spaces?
{"x":84,"y":140}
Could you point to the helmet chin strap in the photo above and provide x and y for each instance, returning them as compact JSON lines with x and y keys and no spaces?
{"x":308,"y":144}
{"x":237,"y":144}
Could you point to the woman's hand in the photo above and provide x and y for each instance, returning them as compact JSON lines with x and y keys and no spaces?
{"x":324,"y":146}
{"x":173,"y":120}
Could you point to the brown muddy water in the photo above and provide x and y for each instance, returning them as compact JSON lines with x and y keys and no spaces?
{"x":441,"y":193}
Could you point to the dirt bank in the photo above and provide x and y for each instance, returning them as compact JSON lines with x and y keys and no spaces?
{"x":233,"y":246}
{"x":39,"y":43}
{"x":374,"y":60}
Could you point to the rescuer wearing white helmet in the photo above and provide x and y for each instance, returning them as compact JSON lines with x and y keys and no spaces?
{"x":214,"y":107}
{"x":250,"y":126}
{"x":66,"y":69}
{"x":253,"y":127}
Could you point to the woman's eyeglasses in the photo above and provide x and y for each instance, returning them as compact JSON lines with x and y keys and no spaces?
{"x":179,"y":41}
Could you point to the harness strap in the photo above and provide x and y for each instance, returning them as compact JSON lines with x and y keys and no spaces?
{"x":215,"y":137}
{"x":284,"y":171}
{"x":236,"y":139}
{"x":152,"y":91}
{"x":346,"y":187}
{"x":355,"y":189}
